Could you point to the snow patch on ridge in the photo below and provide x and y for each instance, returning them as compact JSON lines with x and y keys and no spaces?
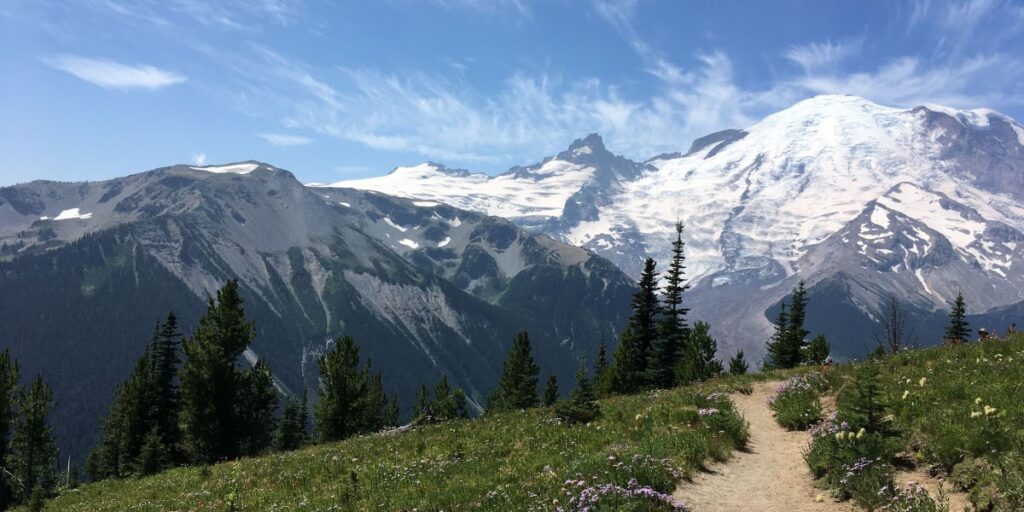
{"x":245,"y":168}
{"x":73,"y":213}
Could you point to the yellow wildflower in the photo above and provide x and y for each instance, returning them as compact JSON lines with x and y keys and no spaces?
{"x":922,"y":382}
{"x":975,"y":414}
{"x":977,"y":400}
{"x":840,"y":436}
{"x":860,"y":435}
{"x":906,"y":394}
{"x":989,"y":410}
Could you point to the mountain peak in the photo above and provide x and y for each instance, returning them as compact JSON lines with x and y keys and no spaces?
{"x":592,"y":141}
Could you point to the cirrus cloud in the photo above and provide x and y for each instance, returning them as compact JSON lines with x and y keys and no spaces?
{"x":285,"y":140}
{"x":110,"y":74}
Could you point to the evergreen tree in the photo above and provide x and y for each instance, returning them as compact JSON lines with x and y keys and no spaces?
{"x":461,"y":405}
{"x":673,"y":333}
{"x":449,"y":403}
{"x":779,"y":353}
{"x":254,"y":409}
{"x":392,"y":414}
{"x":796,"y":332}
{"x":551,"y":391}
{"x":213,"y":390}
{"x":291,"y":429}
{"x":864,"y":404}
{"x":130,"y":420}
{"x":145,"y":404}
{"x":624,"y":378}
{"x":33,"y":453}
{"x":8,"y":415}
{"x":603,"y":372}
{"x":644,"y":322}
{"x":582,"y":406}
{"x":738,"y":365}
{"x":167,"y":406}
{"x":154,"y":455}
{"x":958,"y":330}
{"x":700,"y":363}
{"x":375,"y":404}
{"x":422,"y":405}
{"x":817,"y":351}
{"x":517,"y":388}
{"x":343,"y":389}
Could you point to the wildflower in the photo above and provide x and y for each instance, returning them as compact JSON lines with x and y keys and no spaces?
{"x":638,"y":416}
{"x":922,"y":382}
{"x":906,"y":394}
{"x":860,"y":435}
{"x":840,"y":435}
{"x":977,"y":400}
{"x":819,"y":498}
{"x":975,"y":414}
{"x":989,"y":410}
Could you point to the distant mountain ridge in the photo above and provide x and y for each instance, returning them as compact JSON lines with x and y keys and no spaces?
{"x":919,"y":202}
{"x":86,"y":269}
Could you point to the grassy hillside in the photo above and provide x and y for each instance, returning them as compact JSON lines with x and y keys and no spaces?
{"x":628,"y":459}
{"x":960,"y":410}
{"x":956,"y":412}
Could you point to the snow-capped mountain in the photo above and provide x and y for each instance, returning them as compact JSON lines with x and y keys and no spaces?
{"x":426,"y":289}
{"x":919,"y":202}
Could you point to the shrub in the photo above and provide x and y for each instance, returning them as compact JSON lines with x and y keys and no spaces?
{"x":796,"y":404}
{"x":912,"y":498}
{"x":866,"y":482}
{"x":850,"y":462}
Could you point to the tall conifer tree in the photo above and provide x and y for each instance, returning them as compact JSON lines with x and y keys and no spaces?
{"x":214,"y":391}
{"x":34,"y":454}
{"x":167,"y":407}
{"x":603,"y":372}
{"x":551,"y":391}
{"x":700,"y":363}
{"x":635,"y":343}
{"x":795,"y":332}
{"x":958,"y":330}
{"x":517,"y":388}
{"x":291,"y":431}
{"x":778,"y":346}
{"x":343,"y":390}
{"x":8,"y":415}
{"x":670,"y":344}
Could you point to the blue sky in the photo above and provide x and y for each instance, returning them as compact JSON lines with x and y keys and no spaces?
{"x":333,"y":90}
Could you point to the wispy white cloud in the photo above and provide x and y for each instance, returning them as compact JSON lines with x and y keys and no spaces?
{"x":220,"y":14}
{"x":199,"y":159}
{"x":619,"y":14}
{"x":114,"y":75}
{"x":907,"y":81}
{"x":521,"y":7}
{"x":285,"y":140}
{"x":816,"y":55}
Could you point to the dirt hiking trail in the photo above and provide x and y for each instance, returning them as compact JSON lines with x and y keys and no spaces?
{"x":770,"y":476}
